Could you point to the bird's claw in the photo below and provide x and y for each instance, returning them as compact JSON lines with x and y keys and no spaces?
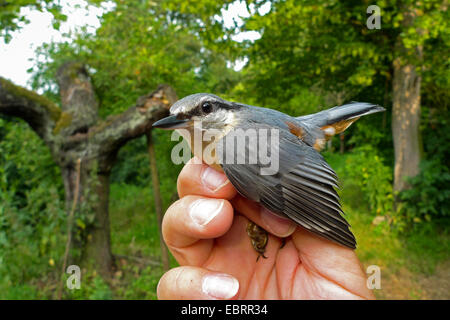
{"x":259,"y":238}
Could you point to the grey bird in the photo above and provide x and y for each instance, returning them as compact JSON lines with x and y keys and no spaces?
{"x":303,"y":188}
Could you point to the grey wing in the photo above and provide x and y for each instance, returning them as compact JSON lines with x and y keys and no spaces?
{"x":302,"y":189}
{"x":311,"y":201}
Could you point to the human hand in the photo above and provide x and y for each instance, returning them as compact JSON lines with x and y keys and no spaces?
{"x":217,"y":260}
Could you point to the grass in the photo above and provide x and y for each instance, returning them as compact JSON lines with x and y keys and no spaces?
{"x":135,"y":239}
{"x":407,"y":258}
{"x":403,"y":260}
{"x":134,"y":229}
{"x":413,"y":266}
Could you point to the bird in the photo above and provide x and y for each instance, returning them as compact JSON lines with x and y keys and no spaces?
{"x":303,"y":186}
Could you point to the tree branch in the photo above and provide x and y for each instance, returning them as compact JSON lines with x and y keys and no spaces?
{"x":40,"y":113}
{"x":76,"y":127}
{"x":115,"y":131}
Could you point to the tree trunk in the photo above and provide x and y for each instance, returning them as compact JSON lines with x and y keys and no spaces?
{"x":92,"y":204}
{"x":74,"y":132}
{"x":405,"y":124}
{"x":406,"y":111}
{"x":98,"y":244}
{"x":157,"y":200}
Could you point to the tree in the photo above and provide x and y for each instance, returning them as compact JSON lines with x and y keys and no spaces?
{"x":138,"y":45}
{"x":327,"y":44}
{"x":75,"y":132}
{"x":406,"y":88}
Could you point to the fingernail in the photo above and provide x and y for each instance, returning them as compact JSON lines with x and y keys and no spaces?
{"x":277,"y":225}
{"x":213,"y":179}
{"x":220,"y":286}
{"x":202,"y":211}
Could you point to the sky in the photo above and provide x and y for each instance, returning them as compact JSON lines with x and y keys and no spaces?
{"x":16,"y":57}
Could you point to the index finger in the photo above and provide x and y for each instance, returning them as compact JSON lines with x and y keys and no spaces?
{"x":199,"y":179}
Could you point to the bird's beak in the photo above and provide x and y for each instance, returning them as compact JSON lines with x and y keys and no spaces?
{"x":171,"y":122}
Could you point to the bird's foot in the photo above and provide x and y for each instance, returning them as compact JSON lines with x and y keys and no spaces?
{"x":259,"y":238}
{"x":283,"y":243}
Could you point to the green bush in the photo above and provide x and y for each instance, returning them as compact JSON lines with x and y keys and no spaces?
{"x":428,"y":197}
{"x":32,"y":216}
{"x":92,"y":287}
{"x":365,"y":169}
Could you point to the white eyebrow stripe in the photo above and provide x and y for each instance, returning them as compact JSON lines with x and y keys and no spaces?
{"x":191,"y":103}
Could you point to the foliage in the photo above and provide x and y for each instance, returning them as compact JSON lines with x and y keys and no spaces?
{"x":138,"y":46}
{"x":32,"y":217}
{"x":143,"y":286}
{"x":13,"y":16}
{"x":93,"y":287}
{"x":12,"y":19}
{"x":364,"y":169}
{"x":427,"y":199}
{"x":311,"y":55}
{"x":327,"y":42}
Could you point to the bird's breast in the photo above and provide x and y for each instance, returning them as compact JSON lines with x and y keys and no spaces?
{"x":203,"y":144}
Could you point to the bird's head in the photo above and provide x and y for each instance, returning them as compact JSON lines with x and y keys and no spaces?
{"x":212,"y":111}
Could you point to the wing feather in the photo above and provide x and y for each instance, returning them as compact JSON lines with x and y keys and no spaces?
{"x":303,"y":189}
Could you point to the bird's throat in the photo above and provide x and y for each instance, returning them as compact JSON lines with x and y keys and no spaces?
{"x":201,"y":148}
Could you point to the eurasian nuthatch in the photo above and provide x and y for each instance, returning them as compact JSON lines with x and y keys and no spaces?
{"x":303,"y":186}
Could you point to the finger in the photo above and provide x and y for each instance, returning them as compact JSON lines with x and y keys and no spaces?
{"x":266,"y":219}
{"x":234,"y":254}
{"x":200,"y":179}
{"x":332,"y":261}
{"x":195,"y":218}
{"x":193,"y":283}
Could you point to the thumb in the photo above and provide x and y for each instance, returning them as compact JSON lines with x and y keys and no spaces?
{"x":194,"y":283}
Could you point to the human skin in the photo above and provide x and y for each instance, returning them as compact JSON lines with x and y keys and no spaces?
{"x":206,"y":232}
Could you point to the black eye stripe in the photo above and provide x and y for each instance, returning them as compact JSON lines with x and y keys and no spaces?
{"x":198,"y":111}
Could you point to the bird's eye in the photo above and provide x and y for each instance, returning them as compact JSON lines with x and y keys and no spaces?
{"x":206,"y":107}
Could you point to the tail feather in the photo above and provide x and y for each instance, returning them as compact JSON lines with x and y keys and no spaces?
{"x":337,"y":114}
{"x":325,"y":124}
